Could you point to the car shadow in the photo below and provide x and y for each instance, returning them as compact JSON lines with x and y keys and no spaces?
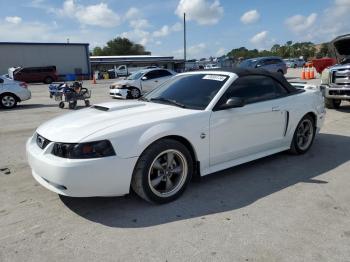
{"x":344,"y":108}
{"x":28,"y":106}
{"x":227,"y":190}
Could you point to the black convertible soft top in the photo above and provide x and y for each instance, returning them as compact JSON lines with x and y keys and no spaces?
{"x":248,"y":72}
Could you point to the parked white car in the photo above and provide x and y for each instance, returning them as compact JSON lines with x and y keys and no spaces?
{"x":141,"y":81}
{"x":195,"y":124}
{"x":12,"y":92}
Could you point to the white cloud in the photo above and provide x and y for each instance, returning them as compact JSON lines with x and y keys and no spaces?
{"x":221,"y":52}
{"x":176,"y":27}
{"x":204,"y":12}
{"x":250,"y":17}
{"x":95,"y":15}
{"x":194,"y":51}
{"x":164,"y":31}
{"x":139,"y":36}
{"x":259,"y":38}
{"x":334,"y":22}
{"x":139,"y":23}
{"x":132,"y":13}
{"x":299,"y":23}
{"x":13,"y":19}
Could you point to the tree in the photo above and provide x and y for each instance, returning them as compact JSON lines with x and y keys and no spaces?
{"x":324,"y":51}
{"x":120,"y":46}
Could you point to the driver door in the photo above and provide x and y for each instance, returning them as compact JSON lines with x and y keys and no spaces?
{"x":254,"y":128}
{"x":150,"y":80}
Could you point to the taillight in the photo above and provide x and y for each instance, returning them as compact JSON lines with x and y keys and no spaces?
{"x":23,"y":84}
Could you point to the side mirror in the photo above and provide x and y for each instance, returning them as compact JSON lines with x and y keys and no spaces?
{"x":144,"y":78}
{"x":233,"y":102}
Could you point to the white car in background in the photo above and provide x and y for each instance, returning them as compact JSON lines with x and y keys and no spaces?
{"x":141,"y":81}
{"x":195,"y":124}
{"x":12,"y":92}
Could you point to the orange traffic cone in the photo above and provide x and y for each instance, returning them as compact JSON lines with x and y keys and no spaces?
{"x":312,"y":73}
{"x":303,"y":73}
{"x":307,"y":73}
{"x":94,"y":79}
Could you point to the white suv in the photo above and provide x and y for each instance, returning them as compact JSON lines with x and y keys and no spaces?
{"x":12,"y":92}
{"x":140,"y":81}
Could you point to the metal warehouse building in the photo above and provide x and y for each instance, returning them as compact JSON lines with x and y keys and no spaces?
{"x":102,"y":63}
{"x":69,"y":58}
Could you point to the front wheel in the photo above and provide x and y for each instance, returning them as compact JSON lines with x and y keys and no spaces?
{"x":303,"y":136}
{"x":332,"y":103}
{"x":8,"y":101}
{"x":163,"y":171}
{"x":134,"y":93}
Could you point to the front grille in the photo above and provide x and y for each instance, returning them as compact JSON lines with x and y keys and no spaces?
{"x":341,"y":77}
{"x":339,"y":92}
{"x":41,"y":141}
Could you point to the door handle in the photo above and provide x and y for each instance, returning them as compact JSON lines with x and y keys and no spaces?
{"x":276,"y":108}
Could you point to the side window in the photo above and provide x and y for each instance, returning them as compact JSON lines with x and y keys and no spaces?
{"x":163,"y":73}
{"x":254,"y":89}
{"x":122,"y":68}
{"x":152,"y":74}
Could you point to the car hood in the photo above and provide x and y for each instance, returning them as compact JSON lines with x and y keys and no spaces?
{"x":124,"y":82}
{"x":74,"y":127}
{"x":341,"y":48}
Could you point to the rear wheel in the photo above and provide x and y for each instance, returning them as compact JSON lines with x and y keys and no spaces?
{"x":332,"y":103}
{"x":303,"y":136}
{"x":61,"y":105}
{"x":87,"y":103}
{"x":48,"y":80}
{"x":8,"y":101}
{"x":163,"y":171}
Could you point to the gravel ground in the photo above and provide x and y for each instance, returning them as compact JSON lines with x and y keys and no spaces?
{"x":280,"y":208}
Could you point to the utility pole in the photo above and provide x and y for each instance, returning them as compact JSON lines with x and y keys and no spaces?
{"x":185,"y":37}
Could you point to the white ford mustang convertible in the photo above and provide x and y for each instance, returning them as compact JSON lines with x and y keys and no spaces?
{"x":195,"y":124}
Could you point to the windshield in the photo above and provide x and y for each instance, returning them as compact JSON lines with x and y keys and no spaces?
{"x":136,"y":75}
{"x":250,"y":63}
{"x":188,"y":91}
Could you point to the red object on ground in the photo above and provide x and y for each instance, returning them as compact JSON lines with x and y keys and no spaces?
{"x":322,"y":63}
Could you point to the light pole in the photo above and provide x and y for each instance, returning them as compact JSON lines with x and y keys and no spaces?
{"x":185,"y":38}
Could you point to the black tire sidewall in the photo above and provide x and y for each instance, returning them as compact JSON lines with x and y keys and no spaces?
{"x":3,"y":106}
{"x":48,"y":80}
{"x":295,"y":143}
{"x":152,"y":153}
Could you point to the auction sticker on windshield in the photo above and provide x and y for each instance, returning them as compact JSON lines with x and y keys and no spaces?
{"x":215,"y":77}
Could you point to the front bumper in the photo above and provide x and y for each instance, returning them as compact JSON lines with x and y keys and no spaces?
{"x":108,"y":176}
{"x":118,"y":93}
{"x":336,"y":92}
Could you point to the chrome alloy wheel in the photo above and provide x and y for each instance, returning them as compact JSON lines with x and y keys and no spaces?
{"x":305,"y":134}
{"x":135,"y":93}
{"x":8,"y":101}
{"x":168,"y":173}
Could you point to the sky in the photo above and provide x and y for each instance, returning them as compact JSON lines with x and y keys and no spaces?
{"x":214,"y":27}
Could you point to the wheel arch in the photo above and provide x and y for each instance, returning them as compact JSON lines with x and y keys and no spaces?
{"x":313,"y":115}
{"x":190,"y":148}
{"x":13,"y":94}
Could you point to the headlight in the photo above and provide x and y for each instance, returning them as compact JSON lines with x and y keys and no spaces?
{"x":96,"y":149}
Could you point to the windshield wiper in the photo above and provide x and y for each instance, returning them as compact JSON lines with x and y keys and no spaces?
{"x":143,"y":99}
{"x":169,"y":101}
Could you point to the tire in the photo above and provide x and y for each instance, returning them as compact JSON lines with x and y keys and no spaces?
{"x":332,"y":103}
{"x":87,"y":103}
{"x":134,"y":93}
{"x":295,"y":66}
{"x":153,"y":166}
{"x":303,"y":136}
{"x":61,"y":105}
{"x":48,"y":80}
{"x":8,"y":101}
{"x":72,"y":104}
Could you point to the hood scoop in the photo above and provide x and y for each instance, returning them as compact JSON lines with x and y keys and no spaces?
{"x":116,"y":106}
